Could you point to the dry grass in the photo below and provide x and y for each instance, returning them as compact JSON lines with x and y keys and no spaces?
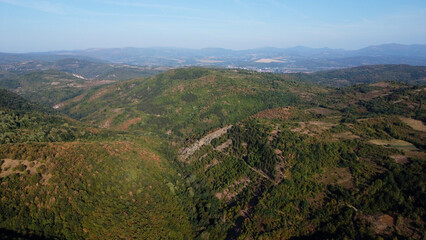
{"x":126,"y":124}
{"x":381,"y":84}
{"x":409,"y":149}
{"x":313,"y":127}
{"x":276,"y":113}
{"x":394,"y":143}
{"x":9,"y":165}
{"x":345,"y":136}
{"x":414,"y":124}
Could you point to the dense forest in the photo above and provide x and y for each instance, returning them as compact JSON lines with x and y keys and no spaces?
{"x":201,"y":153}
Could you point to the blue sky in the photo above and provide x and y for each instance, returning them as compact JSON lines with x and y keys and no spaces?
{"x":44,"y":25}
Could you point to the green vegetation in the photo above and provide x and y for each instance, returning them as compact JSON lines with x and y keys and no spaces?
{"x":91,"y":190}
{"x":367,"y":74}
{"x":299,"y":161}
{"x":23,"y":121}
{"x":47,"y":87}
{"x":186,"y":101}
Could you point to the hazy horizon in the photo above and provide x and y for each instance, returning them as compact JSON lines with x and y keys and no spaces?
{"x":201,"y":48}
{"x":46,"y":25}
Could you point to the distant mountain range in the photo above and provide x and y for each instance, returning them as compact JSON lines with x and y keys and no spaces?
{"x":295,"y":59}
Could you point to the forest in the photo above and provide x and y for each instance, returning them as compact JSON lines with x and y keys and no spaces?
{"x":297,"y":159}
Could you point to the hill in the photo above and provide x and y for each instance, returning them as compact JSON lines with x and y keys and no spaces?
{"x":367,"y":74}
{"x":62,"y":179}
{"x":24,"y":121}
{"x":49,"y":87}
{"x":200,"y":153}
{"x":90,"y":69}
{"x":339,"y":168}
{"x":185,"y":102}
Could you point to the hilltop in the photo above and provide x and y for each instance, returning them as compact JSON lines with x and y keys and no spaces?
{"x":185,"y":102}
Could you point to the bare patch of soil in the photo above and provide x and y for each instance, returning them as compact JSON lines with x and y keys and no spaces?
{"x":381,"y":84}
{"x":99,"y":94}
{"x":224,"y":145}
{"x":383,"y":224}
{"x":125,"y":125}
{"x":9,"y":167}
{"x":401,"y":159}
{"x":276,"y":113}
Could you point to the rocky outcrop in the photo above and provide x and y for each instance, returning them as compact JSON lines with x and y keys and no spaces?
{"x":185,"y":153}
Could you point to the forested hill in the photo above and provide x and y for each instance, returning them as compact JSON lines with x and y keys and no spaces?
{"x":185,"y":102}
{"x":63,"y":179}
{"x":25,"y":121}
{"x":367,"y":74}
{"x":86,"y":68}
{"x":14,"y":102}
{"x":200,"y":153}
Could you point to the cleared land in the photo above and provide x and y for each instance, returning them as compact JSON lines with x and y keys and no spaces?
{"x":415,"y":124}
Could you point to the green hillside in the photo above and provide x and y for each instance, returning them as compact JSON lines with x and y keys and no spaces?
{"x":216,"y":154}
{"x":186,"y":102}
{"x":48,"y":87}
{"x":24,"y":121}
{"x":100,"y":70}
{"x":367,"y":74}
{"x":62,"y":179}
{"x":321,"y":172}
{"x":92,"y":69}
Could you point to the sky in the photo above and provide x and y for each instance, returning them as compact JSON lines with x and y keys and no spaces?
{"x":47,"y":25}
